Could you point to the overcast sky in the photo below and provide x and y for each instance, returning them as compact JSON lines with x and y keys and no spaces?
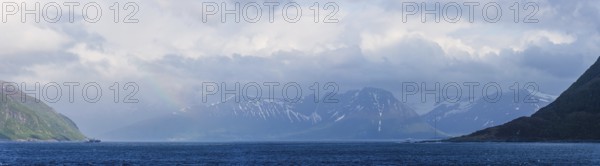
{"x":170,"y":51}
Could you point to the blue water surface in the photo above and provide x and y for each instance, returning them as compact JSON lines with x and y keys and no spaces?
{"x":300,"y":153}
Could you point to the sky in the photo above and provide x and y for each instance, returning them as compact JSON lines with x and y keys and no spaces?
{"x":167,"y":49}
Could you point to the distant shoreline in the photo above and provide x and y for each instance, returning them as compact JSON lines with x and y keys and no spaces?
{"x":522,"y":141}
{"x":307,"y":141}
{"x":38,"y":141}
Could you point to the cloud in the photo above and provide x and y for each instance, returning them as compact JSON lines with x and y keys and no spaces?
{"x":20,"y":38}
{"x":371,"y":38}
{"x":558,"y":65}
{"x":173,"y":49}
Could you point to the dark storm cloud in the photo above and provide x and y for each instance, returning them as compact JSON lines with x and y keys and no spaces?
{"x":555,"y":64}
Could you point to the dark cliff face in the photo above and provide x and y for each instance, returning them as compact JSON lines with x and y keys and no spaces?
{"x":573,"y":116}
{"x":32,"y":119}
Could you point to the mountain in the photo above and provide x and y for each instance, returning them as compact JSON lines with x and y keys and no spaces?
{"x":573,"y":116}
{"x":369,"y":113}
{"x":465,"y":116}
{"x":32,"y":119}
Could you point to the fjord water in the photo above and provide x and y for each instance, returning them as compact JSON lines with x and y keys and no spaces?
{"x":359,"y":153}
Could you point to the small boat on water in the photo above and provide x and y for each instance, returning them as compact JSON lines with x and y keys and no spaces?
{"x":93,"y":141}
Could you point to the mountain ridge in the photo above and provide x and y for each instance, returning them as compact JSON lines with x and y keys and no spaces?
{"x":33,"y":120}
{"x":368,"y":113}
{"x":573,"y":116}
{"x":464,"y":116}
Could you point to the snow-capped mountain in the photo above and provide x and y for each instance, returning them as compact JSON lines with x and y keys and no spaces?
{"x":465,"y":116}
{"x":369,"y":113}
{"x":265,"y":109}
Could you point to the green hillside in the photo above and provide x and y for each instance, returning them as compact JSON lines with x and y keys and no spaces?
{"x":33,"y":120}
